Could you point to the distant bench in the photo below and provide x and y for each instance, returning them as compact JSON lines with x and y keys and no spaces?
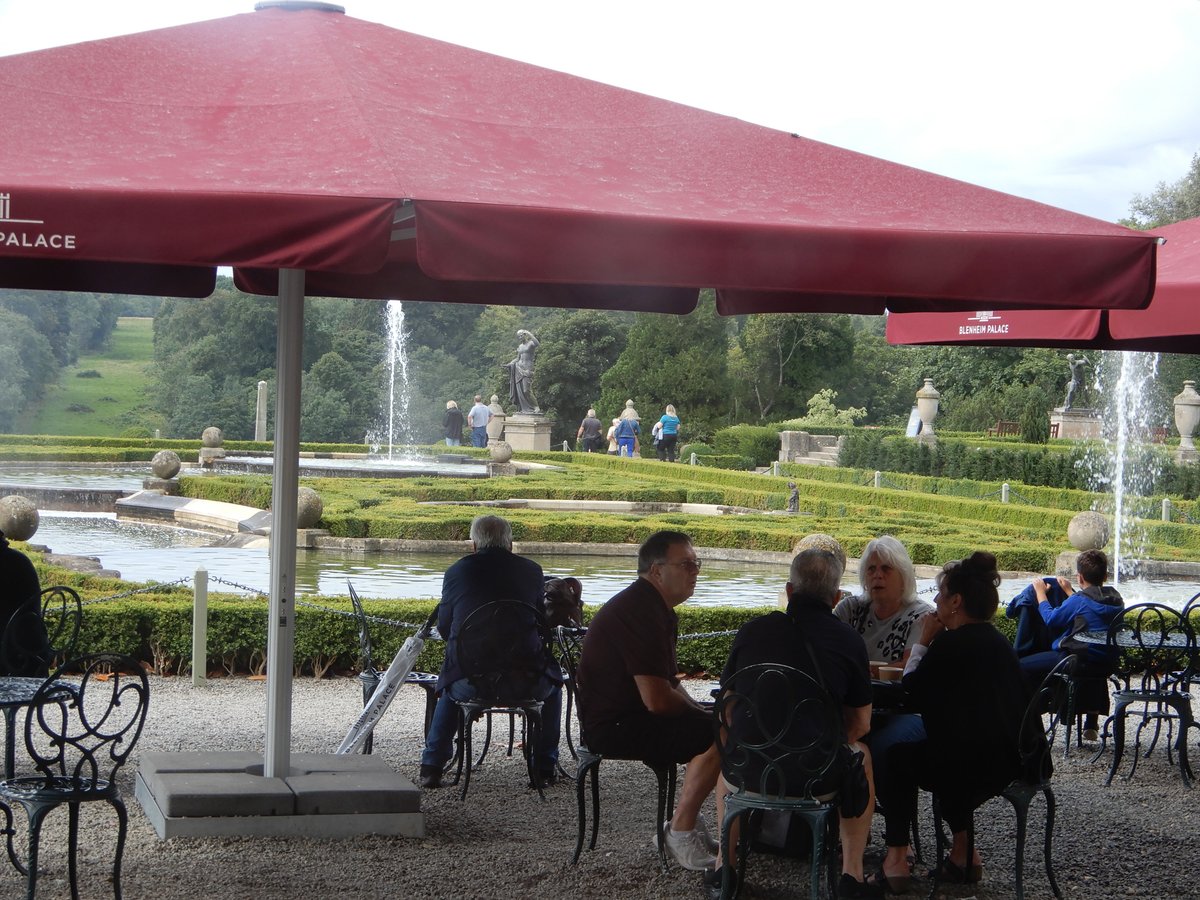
{"x":1003,"y":429}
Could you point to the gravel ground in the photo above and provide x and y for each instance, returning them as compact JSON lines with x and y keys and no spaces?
{"x":503,"y":842}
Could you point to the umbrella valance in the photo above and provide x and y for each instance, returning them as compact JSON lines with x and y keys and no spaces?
{"x":1170,"y":324}
{"x":312,"y":140}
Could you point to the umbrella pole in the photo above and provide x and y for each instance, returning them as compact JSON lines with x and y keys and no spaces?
{"x":281,"y":620}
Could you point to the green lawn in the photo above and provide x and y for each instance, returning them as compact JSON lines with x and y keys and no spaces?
{"x":107,"y":405}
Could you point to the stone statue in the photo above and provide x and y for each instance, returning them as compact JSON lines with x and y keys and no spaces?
{"x":520,"y":375}
{"x":793,"y":497}
{"x":1076,"y":381}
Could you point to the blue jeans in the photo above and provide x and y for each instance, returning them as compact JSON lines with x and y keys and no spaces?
{"x":479,"y":436}
{"x":439,"y":743}
{"x":887,"y":730}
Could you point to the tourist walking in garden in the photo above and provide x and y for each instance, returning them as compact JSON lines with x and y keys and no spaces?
{"x":669,"y":434}
{"x":626,"y":433}
{"x":452,"y":424}
{"x":588,"y":435}
{"x":611,"y":437}
{"x":478,"y":418}
{"x":964,"y":678}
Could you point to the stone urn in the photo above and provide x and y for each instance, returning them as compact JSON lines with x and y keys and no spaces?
{"x":495,"y":428}
{"x":309,"y":507}
{"x":928,"y":398}
{"x":166,"y":464}
{"x":18,"y":517}
{"x":1187,"y":417}
{"x":1088,"y":530}
{"x":501,"y":452}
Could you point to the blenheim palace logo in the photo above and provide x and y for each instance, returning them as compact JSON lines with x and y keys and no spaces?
{"x":26,"y":233}
{"x":985,"y":324}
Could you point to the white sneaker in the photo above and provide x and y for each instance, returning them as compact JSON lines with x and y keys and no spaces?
{"x":687,"y":848}
{"x":710,"y":843}
{"x":1091,"y":735}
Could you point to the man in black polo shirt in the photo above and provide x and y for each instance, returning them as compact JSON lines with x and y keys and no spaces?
{"x":631,"y":703}
{"x":813,"y":588}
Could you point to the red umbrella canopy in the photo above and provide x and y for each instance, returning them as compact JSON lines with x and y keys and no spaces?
{"x":1170,"y":324}
{"x":386,"y":164}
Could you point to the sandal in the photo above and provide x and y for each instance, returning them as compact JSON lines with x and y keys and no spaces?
{"x":950,"y":872}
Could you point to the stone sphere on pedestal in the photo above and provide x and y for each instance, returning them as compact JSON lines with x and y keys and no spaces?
{"x":309,"y":507}
{"x":501,"y":452}
{"x":212,"y":436}
{"x":18,"y":517}
{"x":1088,"y":531}
{"x":165,"y":464}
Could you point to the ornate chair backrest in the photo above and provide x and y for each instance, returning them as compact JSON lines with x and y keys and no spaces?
{"x":1037,"y":733}
{"x":779,"y":733}
{"x":1151,"y":641}
{"x":62,"y":613}
{"x":501,"y":648}
{"x":568,"y":645}
{"x":84,"y":731}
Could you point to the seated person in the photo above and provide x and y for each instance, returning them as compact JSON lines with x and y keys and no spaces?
{"x":632,"y":705}
{"x":964,"y":678}
{"x":1050,"y":612}
{"x":491,"y":572}
{"x":884,"y":615}
{"x":20,"y":588}
{"x":813,"y":588}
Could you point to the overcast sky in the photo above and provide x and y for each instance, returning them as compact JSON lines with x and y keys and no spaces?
{"x":1078,"y":104}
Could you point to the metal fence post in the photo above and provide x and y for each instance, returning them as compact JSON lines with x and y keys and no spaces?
{"x":200,"y":630}
{"x":1004,"y":492}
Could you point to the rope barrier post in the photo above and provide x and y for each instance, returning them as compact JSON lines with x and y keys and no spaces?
{"x":1004,"y":492}
{"x":692,"y":461}
{"x":878,"y":480}
{"x":1166,"y":509}
{"x":775,"y":468}
{"x":200,"y":630}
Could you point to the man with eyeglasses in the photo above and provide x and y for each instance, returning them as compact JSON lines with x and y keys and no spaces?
{"x":633,"y":706}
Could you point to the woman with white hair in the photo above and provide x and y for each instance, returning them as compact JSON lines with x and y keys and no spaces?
{"x":886,"y":615}
{"x":452,"y":424}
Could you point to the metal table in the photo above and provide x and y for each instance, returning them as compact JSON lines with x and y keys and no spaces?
{"x":1157,"y":690}
{"x":15,"y":692}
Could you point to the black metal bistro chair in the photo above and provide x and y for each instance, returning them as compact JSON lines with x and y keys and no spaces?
{"x":502,"y":650}
{"x":780,"y":735}
{"x":78,"y":737}
{"x":43,"y":631}
{"x":1044,"y":714}
{"x":1155,"y":652}
{"x":570,"y":648}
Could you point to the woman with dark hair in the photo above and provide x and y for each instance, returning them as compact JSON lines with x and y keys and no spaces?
{"x":964,"y":678}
